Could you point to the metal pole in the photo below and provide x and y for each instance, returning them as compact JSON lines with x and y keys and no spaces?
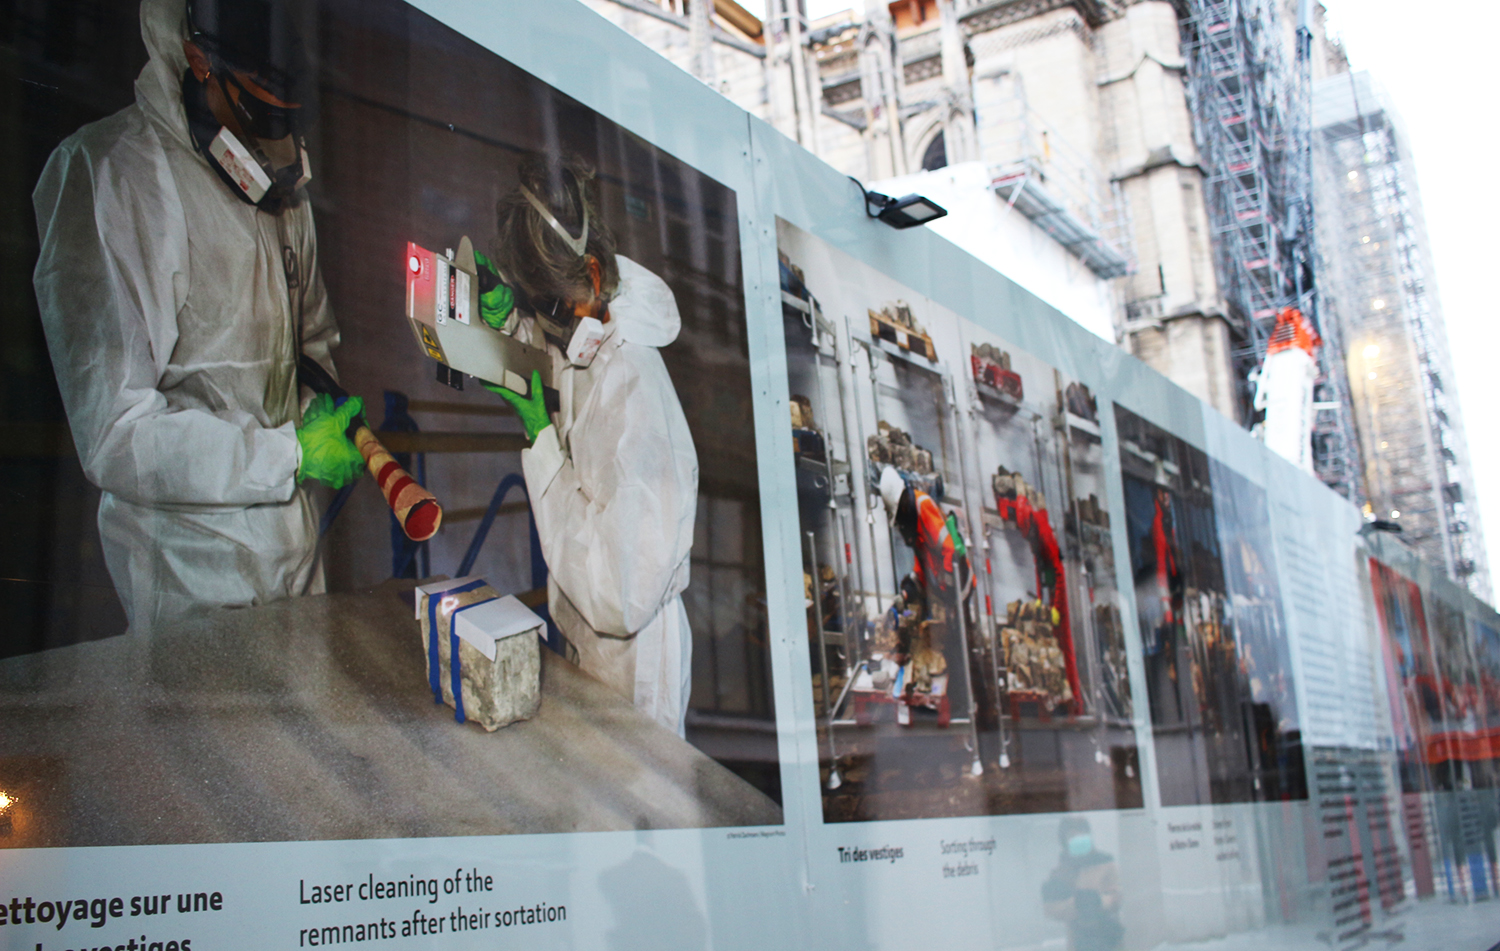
{"x":854,"y":448}
{"x":700,"y":35}
{"x":834,"y":781}
{"x":964,"y":475}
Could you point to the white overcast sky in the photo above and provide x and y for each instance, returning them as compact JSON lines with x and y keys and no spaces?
{"x":1436,"y":65}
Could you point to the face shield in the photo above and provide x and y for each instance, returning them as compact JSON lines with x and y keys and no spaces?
{"x":578,"y":337}
{"x":246,"y":97}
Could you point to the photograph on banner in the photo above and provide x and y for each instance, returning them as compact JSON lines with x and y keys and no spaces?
{"x":1406,"y":649}
{"x":1410,"y":672}
{"x":963,"y":623}
{"x":394,"y":447}
{"x":1481,"y":750}
{"x":1455,"y":652}
{"x":1487,"y":662}
{"x":1460,"y":757}
{"x":1218,"y":664}
{"x":1442,"y":667}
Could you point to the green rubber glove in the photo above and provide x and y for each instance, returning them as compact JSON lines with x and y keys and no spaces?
{"x":328,"y":454}
{"x":496,"y":303}
{"x":532,"y":409}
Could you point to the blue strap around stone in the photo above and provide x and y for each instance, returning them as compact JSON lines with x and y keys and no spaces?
{"x":453,"y":664}
{"x":453,"y":659}
{"x":433,"y":679}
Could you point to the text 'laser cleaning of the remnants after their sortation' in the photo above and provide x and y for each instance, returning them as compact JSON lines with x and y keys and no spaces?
{"x":456,"y":920}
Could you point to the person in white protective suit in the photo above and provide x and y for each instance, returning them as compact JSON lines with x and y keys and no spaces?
{"x":613,"y":475}
{"x":178,"y":285}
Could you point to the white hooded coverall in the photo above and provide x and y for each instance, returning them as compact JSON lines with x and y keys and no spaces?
{"x":174,"y":312}
{"x":614,"y":489}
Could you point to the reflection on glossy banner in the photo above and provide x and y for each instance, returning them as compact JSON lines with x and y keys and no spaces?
{"x":1442,"y":674}
{"x":1053,"y":674}
{"x":1217,"y":656}
{"x":508,"y":299}
{"x":962,"y":616}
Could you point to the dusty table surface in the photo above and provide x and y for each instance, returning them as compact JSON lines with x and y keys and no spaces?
{"x":312,"y":719}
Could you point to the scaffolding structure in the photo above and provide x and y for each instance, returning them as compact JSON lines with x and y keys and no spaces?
{"x":1379,"y":293}
{"x":1060,"y":187}
{"x":1335,"y":440}
{"x":1252,"y":121}
{"x":1236,"y":91}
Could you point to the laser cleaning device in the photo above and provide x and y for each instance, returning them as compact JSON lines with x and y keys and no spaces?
{"x":442,"y":305}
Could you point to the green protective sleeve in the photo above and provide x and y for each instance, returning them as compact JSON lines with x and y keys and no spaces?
{"x":959,"y":548}
{"x":532,"y":409}
{"x":495,"y":304}
{"x":328,"y":455}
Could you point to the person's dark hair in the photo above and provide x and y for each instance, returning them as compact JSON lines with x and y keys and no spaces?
{"x":906,"y":517}
{"x":259,"y":37}
{"x":532,"y":254}
{"x":1071,"y":826}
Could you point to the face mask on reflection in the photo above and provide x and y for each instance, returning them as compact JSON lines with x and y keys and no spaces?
{"x":584,"y":345}
{"x":1080,"y":845}
{"x":267,"y":173}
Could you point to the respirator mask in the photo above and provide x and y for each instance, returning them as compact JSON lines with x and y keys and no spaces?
{"x":577,"y":337}
{"x":244,"y":96}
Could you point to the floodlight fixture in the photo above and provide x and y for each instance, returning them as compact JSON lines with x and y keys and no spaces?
{"x":906,"y":212}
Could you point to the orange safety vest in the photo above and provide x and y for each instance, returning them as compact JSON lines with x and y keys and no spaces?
{"x":934,"y":556}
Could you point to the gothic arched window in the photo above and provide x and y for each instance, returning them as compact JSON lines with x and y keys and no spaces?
{"x":936,"y":155}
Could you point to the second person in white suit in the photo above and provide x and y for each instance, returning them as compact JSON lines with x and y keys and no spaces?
{"x":612,"y":474}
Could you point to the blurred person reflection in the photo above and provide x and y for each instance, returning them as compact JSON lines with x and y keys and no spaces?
{"x":1084,"y":890}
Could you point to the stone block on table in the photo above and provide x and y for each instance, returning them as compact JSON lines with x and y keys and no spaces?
{"x":496,"y":640}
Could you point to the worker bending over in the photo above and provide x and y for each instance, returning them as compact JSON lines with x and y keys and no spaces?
{"x":926,"y":531}
{"x":612,"y":475}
